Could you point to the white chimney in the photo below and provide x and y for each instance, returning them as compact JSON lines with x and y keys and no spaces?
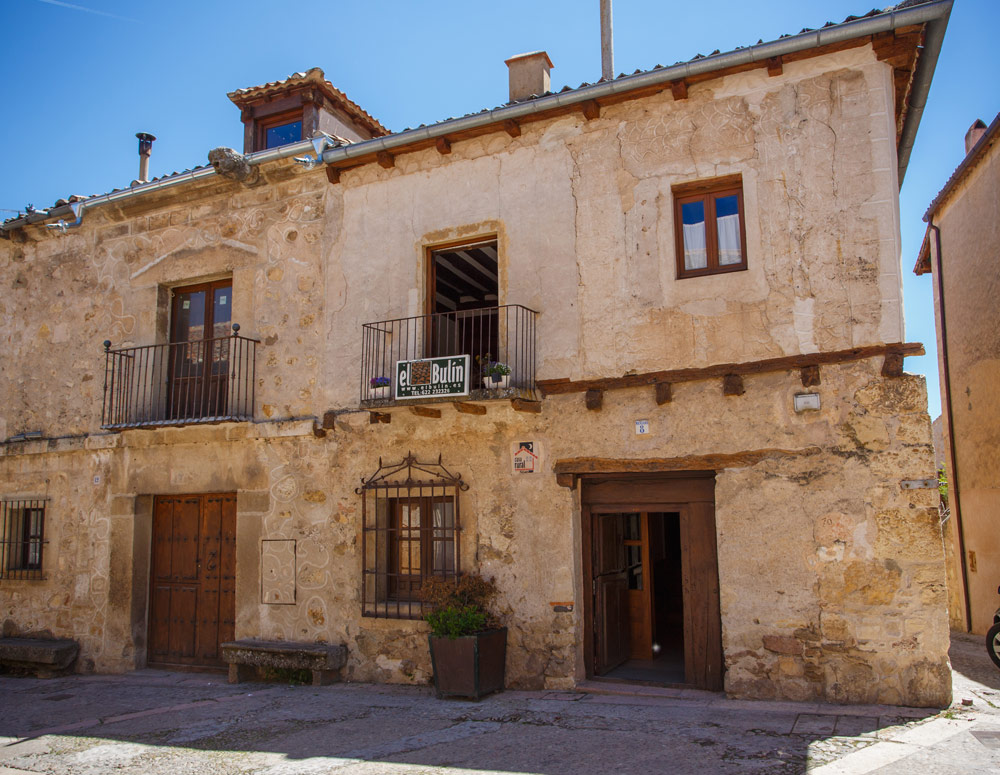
{"x":976,"y":131}
{"x":529,"y":74}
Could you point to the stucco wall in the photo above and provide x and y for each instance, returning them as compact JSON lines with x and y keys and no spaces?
{"x":970,"y":244}
{"x":831,"y":575}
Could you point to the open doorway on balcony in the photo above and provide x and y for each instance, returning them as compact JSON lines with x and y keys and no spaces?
{"x":463,"y":299}
{"x":199,"y":355}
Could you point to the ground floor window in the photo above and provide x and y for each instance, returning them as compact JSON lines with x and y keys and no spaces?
{"x":22,"y":539}
{"x":411,"y":532}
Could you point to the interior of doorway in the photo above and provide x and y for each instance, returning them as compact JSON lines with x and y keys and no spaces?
{"x":651,"y":624}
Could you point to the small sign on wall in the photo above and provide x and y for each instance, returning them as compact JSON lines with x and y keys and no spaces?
{"x":525,"y":459}
{"x":641,"y":427}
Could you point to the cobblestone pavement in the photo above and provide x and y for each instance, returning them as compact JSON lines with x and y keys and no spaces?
{"x":160,"y":722}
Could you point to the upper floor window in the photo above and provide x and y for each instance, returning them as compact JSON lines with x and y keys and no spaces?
{"x":22,"y":523}
{"x":710,"y":233}
{"x":280,"y":130}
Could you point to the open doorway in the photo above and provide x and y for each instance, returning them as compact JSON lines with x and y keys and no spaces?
{"x":463,"y":299}
{"x":651,"y":562}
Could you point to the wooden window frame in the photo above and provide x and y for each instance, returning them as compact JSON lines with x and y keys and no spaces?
{"x":706,"y":192}
{"x":209,"y":288}
{"x":278,"y":119}
{"x":406,"y":586}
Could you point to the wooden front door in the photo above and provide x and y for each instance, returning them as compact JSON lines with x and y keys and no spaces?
{"x":610,"y":591}
{"x":193,"y":579}
{"x":618,"y":512}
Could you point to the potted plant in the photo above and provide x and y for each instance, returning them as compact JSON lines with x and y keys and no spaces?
{"x":468,"y":644}
{"x":378,"y":387}
{"x":496,"y":374}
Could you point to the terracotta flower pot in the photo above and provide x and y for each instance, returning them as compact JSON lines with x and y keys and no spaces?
{"x":470,"y":666}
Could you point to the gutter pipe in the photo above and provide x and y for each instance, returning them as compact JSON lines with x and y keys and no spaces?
{"x":953,"y":474}
{"x":934,"y":14}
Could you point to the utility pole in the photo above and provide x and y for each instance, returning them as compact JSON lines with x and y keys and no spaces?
{"x":607,"y":43}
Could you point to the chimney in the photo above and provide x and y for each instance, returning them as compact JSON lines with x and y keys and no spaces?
{"x":145,"y":148}
{"x":607,"y":43}
{"x":973,"y":136}
{"x":529,"y":74}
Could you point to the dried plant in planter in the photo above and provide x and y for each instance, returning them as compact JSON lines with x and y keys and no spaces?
{"x":460,"y":606}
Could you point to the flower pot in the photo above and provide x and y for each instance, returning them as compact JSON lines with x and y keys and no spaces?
{"x":470,"y":666}
{"x":379,"y":392}
{"x":497,"y":382}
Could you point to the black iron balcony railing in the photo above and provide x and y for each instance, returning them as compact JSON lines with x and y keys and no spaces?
{"x":496,"y":339}
{"x":180,"y":383}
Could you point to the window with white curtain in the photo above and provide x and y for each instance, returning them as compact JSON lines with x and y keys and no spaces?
{"x":711,"y":236}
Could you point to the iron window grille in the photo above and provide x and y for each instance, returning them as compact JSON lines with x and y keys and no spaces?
{"x":22,"y":538}
{"x":411,"y":531}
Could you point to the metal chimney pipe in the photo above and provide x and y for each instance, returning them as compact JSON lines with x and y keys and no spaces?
{"x":607,"y":43}
{"x":145,"y":149}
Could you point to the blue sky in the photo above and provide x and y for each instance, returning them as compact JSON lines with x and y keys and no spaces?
{"x":85,"y":76}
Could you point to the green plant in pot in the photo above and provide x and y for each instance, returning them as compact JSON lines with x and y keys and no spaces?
{"x":496,"y":374}
{"x":468,"y":644}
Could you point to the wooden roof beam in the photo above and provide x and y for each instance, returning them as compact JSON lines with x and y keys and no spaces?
{"x":385,"y":160}
{"x":443,"y":145}
{"x":512,"y":128}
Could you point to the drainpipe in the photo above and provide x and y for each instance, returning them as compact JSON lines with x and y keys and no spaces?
{"x":953,"y":474}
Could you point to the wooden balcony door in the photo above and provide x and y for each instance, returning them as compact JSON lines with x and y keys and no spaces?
{"x":199,"y":352}
{"x":193,"y":579}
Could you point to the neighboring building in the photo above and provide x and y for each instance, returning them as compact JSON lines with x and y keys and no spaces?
{"x":692,"y":472}
{"x":961,"y":248}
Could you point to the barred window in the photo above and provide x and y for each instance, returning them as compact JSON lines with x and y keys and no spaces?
{"x":22,"y":528}
{"x":411,"y":531}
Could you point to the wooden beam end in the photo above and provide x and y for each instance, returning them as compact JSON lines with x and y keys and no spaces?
{"x":679,"y":89}
{"x":466,"y":408}
{"x":810,"y":376}
{"x":524,"y":405}
{"x":566,"y":480}
{"x":732,"y":385}
{"x":591,"y":109}
{"x":426,"y":411}
{"x":332,"y":174}
{"x":892,"y":366}
{"x":443,"y":145}
{"x":664,"y":393}
{"x":512,"y":128}
{"x":385,"y":159}
{"x":594,"y":400}
{"x":379,"y":417}
{"x":774,"y":66}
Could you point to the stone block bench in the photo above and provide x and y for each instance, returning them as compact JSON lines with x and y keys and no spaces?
{"x":324,"y":660}
{"x":45,"y":658}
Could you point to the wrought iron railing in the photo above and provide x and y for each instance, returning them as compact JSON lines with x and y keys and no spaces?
{"x":490,"y":336}
{"x":180,"y":383}
{"x":22,"y":538}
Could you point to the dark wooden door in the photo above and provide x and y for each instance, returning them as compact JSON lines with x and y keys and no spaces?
{"x":611,"y":626}
{"x":703,"y":662}
{"x":199,"y":350}
{"x":193,"y":579}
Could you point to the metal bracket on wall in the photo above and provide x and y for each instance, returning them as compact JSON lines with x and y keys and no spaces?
{"x":919,"y":484}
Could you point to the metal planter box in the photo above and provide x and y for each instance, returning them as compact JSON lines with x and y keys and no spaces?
{"x":470,"y":666}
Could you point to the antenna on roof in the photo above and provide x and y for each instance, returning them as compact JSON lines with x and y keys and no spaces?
{"x":607,"y":43}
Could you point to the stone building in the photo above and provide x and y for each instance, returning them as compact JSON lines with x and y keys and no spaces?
{"x":960,"y":250}
{"x":688,"y":468}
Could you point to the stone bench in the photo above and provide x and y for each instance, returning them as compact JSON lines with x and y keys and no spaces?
{"x":45,"y":658}
{"x":324,"y":660}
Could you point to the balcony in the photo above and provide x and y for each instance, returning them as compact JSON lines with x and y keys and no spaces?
{"x":485,"y":354}
{"x":180,"y":383}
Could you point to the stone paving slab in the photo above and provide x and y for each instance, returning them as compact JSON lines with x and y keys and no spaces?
{"x":159,"y":723}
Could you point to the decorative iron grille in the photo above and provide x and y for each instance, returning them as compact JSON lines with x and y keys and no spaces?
{"x":492,"y":335}
{"x":206,"y":380}
{"x":22,"y":539}
{"x":411,"y":531}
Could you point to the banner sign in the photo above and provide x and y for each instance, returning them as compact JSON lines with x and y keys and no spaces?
{"x":437,"y":377}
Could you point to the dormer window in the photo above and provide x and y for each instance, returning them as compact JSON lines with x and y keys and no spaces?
{"x":283,"y":112}
{"x":282,"y":129}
